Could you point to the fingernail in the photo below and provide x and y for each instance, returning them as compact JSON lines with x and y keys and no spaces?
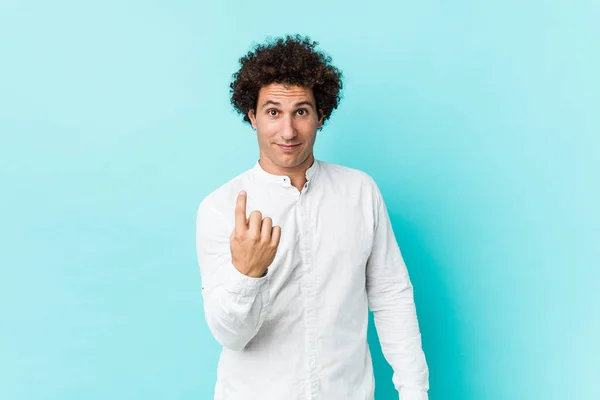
{"x":243,"y":192}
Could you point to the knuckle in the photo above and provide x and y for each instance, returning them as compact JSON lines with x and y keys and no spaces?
{"x":254,"y":236}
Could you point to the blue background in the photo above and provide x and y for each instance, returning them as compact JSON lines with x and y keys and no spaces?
{"x":479,"y":120}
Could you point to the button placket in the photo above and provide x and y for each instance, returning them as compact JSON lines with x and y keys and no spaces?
{"x":309,"y":296}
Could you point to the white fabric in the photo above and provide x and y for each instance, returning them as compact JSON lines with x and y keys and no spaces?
{"x":300,"y":332}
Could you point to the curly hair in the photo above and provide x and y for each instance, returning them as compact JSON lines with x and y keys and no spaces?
{"x":289,"y":60}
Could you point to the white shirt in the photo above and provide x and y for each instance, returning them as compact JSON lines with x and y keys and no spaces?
{"x":300,"y":332}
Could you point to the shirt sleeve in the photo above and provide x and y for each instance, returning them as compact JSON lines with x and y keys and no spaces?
{"x":390,"y":296}
{"x":235,"y":304}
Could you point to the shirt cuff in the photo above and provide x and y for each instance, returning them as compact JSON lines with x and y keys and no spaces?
{"x":413,"y":394}
{"x":236,"y":282}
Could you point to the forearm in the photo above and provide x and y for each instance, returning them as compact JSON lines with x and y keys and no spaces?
{"x":398,"y":330}
{"x":235,"y":308}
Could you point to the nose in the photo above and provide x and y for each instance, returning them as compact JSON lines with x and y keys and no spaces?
{"x":288,"y":130}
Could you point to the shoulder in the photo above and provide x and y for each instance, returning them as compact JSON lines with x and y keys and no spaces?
{"x":348,"y":175}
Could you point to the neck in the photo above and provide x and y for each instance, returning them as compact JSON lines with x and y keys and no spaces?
{"x":297,"y":174}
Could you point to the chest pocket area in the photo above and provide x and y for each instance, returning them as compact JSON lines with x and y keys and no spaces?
{"x":345,"y":232}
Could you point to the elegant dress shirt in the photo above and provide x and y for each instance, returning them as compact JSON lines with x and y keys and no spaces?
{"x":300,"y":331}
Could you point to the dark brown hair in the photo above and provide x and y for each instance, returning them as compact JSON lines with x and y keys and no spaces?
{"x":290,"y":60}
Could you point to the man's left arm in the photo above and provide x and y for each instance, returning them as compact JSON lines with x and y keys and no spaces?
{"x":390,"y":295}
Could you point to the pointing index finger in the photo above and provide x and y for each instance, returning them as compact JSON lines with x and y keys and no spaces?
{"x":240,"y":211}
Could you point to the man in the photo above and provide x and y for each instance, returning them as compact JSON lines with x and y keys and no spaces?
{"x":294,"y":251}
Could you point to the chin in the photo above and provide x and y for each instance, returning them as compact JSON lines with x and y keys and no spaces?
{"x":288,"y":164}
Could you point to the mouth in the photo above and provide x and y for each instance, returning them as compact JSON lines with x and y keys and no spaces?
{"x":288,"y":148}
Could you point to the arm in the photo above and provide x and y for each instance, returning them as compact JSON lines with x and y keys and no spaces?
{"x":391,"y":300}
{"x":234,"y":304}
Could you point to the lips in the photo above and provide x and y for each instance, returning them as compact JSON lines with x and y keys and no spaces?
{"x":284,"y":147}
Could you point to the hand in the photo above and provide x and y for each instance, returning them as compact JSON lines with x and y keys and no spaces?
{"x":254,"y":241}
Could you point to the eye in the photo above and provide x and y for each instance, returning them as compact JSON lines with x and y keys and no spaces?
{"x":272,"y":112}
{"x":302,"y":112}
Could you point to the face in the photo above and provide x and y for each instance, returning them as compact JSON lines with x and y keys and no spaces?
{"x":286,"y":122}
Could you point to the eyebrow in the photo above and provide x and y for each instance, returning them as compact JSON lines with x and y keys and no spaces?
{"x":275,"y":103}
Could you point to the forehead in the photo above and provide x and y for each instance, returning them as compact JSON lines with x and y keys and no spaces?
{"x":285,"y":93}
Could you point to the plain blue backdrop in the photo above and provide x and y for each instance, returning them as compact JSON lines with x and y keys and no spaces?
{"x":479,"y":121}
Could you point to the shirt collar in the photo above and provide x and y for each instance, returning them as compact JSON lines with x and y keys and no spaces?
{"x":283,"y":180}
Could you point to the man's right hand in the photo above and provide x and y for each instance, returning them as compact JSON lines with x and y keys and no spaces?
{"x":254,"y":241}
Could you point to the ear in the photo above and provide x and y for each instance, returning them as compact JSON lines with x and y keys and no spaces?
{"x":321,"y":117}
{"x":252,"y":117}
